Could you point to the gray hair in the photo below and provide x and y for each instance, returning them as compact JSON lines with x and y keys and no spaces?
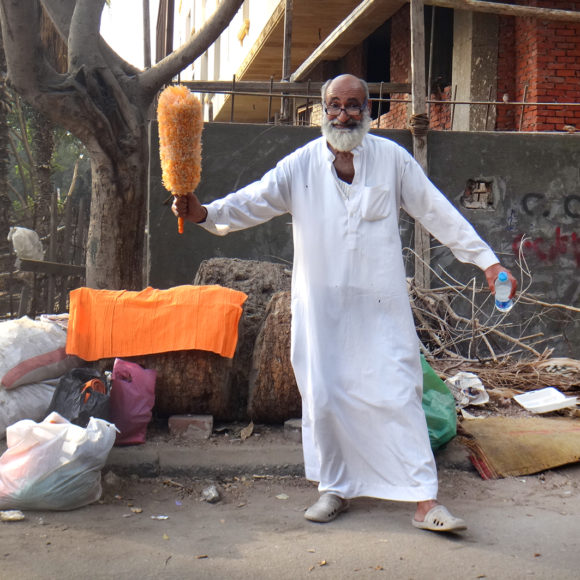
{"x":324,"y":88}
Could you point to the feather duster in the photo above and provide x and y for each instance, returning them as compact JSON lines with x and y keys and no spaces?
{"x":180,"y":119}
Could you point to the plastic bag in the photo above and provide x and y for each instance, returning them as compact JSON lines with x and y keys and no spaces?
{"x":132,"y":400}
{"x":27,"y":402}
{"x":32,"y":351}
{"x":81,"y":394}
{"x":53,"y":465}
{"x":467,"y":389}
{"x":26,"y":243}
{"x":439,"y":406}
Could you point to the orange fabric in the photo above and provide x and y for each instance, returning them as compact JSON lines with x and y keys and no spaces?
{"x":111,"y":323}
{"x":94,"y":385}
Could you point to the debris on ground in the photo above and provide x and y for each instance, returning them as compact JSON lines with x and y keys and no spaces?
{"x":211,"y":494}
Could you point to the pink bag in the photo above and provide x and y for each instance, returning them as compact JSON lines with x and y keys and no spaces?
{"x":132,"y":400}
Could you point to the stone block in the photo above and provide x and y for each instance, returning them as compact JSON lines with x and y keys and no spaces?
{"x":191,"y":426}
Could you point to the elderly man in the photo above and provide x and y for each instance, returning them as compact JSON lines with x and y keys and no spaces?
{"x":354,"y":350}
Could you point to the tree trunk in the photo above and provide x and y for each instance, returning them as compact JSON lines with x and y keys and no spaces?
{"x":42,"y":137}
{"x":117,"y":222}
{"x":103,"y":100}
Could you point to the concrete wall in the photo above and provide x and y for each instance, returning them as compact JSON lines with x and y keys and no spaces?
{"x":534,"y":185}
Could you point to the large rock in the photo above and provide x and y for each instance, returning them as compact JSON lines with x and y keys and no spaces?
{"x":273,"y":394}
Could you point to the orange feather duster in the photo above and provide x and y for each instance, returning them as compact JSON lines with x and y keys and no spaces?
{"x":180,"y":120}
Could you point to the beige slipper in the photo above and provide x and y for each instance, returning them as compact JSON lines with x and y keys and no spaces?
{"x":438,"y":519}
{"x":326,"y":508}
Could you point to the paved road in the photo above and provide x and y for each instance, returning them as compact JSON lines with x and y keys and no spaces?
{"x":523,"y":527}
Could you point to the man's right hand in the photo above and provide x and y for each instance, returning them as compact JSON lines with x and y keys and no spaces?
{"x":189,"y":208}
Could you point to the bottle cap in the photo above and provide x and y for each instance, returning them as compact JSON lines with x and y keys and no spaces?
{"x":502,"y":276}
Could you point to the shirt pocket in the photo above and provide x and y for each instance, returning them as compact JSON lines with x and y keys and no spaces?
{"x":375,"y":202}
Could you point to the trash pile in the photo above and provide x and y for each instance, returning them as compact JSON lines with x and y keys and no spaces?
{"x":60,"y":418}
{"x":517,"y":407}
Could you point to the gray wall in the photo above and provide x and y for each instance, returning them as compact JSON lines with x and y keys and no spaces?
{"x":534,"y":180}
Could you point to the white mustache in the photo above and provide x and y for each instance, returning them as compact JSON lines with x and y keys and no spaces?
{"x":349,"y":135}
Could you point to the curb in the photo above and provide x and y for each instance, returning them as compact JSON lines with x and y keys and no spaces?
{"x":154,"y":460}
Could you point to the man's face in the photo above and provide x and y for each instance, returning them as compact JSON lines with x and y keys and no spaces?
{"x":347,"y":119}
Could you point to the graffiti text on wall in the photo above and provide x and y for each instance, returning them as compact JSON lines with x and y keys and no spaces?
{"x":536,"y":203}
{"x":546,"y":250}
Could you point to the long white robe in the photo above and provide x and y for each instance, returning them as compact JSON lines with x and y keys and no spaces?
{"x":355,"y":351}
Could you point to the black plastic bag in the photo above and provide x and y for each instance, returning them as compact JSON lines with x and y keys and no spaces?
{"x":81,"y":394}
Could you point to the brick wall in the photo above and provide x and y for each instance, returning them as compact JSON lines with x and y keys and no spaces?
{"x":440,"y":114}
{"x":542,"y":54}
{"x":398,"y":115}
{"x":545,"y":56}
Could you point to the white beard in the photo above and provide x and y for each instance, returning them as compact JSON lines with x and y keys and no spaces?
{"x":346,"y":139}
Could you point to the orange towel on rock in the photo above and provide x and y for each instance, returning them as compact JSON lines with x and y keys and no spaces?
{"x":117,"y":323}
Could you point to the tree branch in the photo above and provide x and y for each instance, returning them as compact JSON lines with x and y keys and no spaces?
{"x":84,"y":37}
{"x":60,"y":13}
{"x":154,"y":78}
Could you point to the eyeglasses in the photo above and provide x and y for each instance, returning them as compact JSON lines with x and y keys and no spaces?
{"x":350,"y":110}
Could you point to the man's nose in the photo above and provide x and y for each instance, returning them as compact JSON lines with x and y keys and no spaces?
{"x":343,"y":116}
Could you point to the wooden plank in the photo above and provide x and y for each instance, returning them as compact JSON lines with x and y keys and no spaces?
{"x":419,"y":91}
{"x":54,"y":268}
{"x":508,"y":9}
{"x":285,"y":114}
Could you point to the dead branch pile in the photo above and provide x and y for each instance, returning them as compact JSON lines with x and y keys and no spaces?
{"x":458,"y":332}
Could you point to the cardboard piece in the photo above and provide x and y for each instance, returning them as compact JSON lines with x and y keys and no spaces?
{"x":504,"y":446}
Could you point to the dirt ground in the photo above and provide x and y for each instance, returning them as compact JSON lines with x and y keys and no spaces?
{"x":525,"y":527}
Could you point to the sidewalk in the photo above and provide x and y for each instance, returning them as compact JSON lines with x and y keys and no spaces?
{"x":211,"y":459}
{"x":265,"y":454}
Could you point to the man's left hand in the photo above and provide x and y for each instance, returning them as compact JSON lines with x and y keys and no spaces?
{"x":491,"y":274}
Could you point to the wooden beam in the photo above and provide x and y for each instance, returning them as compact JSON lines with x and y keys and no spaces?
{"x":285,"y":115}
{"x":419,"y":92}
{"x":43,"y":267}
{"x":508,"y":9}
{"x":278,"y":88}
{"x":370,"y":14}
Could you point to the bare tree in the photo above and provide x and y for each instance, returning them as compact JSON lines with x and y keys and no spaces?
{"x":104,"y":101}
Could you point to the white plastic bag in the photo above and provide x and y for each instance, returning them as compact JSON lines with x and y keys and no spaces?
{"x":26,"y":402}
{"x":54,"y":465}
{"x":467,"y":389}
{"x":26,"y":243}
{"x":32,"y":351}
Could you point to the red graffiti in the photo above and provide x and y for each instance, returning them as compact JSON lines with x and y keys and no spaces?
{"x":549,"y":252}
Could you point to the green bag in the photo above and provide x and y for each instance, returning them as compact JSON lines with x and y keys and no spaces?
{"x":439,"y":406}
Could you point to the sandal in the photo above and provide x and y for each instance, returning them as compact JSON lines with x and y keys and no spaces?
{"x":326,"y":508}
{"x":438,"y":519}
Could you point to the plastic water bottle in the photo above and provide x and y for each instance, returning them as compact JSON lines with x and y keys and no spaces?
{"x":503,"y":288}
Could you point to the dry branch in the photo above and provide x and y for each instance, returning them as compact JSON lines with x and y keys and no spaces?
{"x":484,"y":344}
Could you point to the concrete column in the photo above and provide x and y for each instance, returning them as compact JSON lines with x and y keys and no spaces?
{"x":475,"y":46}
